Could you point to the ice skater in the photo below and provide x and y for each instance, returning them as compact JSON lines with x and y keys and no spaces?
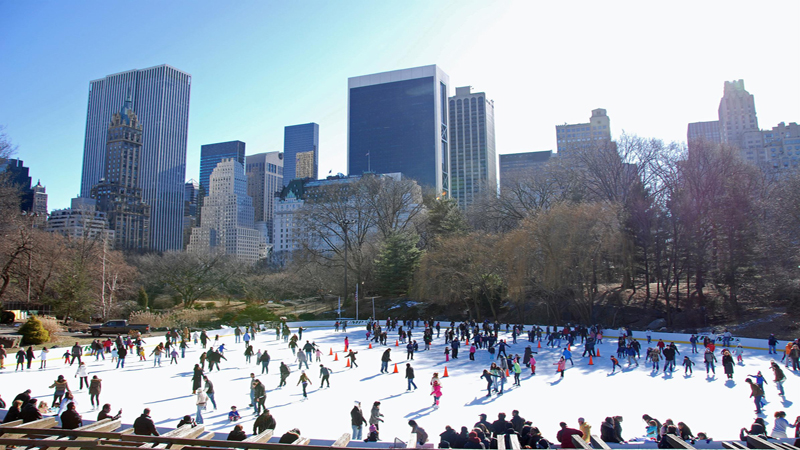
{"x":436,"y":392}
{"x":305,"y":381}
{"x":687,"y":365}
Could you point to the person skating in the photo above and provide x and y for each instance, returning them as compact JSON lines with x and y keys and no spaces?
{"x":780,"y":378}
{"x":144,"y":425}
{"x":264,"y":360}
{"x":709,"y":359}
{"x":263,"y":422}
{"x":756,"y":393}
{"x":385,"y":359}
{"x":489,"y":381}
{"x":561,"y":366}
{"x":94,"y":391}
{"x":200,"y":401}
{"x":61,"y":387}
{"x":84,"y":377}
{"x":436,"y":392}
{"x":324,"y":374}
{"x":209,"y":388}
{"x":305,"y":382}
{"x":20,"y":360}
{"x":687,"y":365}
{"x":375,"y":416}
{"x":410,"y":377}
{"x":197,"y":378}
{"x":260,"y":393}
{"x":357,"y":421}
{"x":43,"y":358}
{"x":284,"y":370}
{"x":517,"y":369}
{"x":352,"y":355}
{"x":727,"y":363}
{"x":76,"y":353}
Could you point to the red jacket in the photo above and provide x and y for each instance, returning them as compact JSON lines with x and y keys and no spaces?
{"x":564,"y":436}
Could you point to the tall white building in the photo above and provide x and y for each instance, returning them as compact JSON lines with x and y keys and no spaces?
{"x":473,"y":159}
{"x":264,"y":180}
{"x":227,"y":219}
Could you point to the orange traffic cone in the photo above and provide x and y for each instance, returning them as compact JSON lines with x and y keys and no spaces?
{"x":348,"y":363}
{"x":336,"y":357}
{"x":507,"y":374}
{"x":395,"y":367}
{"x":445,"y":373}
{"x":568,"y":349}
{"x":396,"y":343}
{"x":370,"y":345}
{"x":466,"y":342}
{"x":598,"y":352}
{"x":591,"y":362}
{"x":331,"y":353}
{"x":539,"y":345}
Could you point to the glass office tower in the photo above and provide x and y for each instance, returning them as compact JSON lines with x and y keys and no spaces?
{"x":300,"y":152}
{"x":160,"y":97}
{"x":213,"y":154}
{"x":397,"y":122}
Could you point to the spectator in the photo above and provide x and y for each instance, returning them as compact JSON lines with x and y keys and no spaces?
{"x":422,"y":436}
{"x":758,"y":428}
{"x":70,"y":419}
{"x":237,"y":434}
{"x":143,"y":425}
{"x":565,"y":434}
{"x":290,"y":436}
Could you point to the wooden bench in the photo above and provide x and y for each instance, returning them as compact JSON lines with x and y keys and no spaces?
{"x":675,"y":442}
{"x":185,"y":432}
{"x":578,"y":442}
{"x":599,"y":443}
{"x":47,"y":422}
{"x":342,"y":441}
{"x":759,"y":442}
{"x":514,"y":442}
{"x":412,"y":441}
{"x":301,"y":441}
{"x":734,"y":445}
{"x":103,"y":425}
{"x":786,"y":446}
{"x":501,"y":442}
{"x":13,"y":423}
{"x":262,"y":437}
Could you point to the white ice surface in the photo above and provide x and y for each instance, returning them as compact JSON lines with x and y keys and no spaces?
{"x":714,"y":405}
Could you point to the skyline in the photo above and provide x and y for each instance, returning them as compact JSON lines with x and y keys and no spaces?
{"x":254,"y":73}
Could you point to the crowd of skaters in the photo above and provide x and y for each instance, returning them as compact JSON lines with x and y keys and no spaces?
{"x":474,"y":336}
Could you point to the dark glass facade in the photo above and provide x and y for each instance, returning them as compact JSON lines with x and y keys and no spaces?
{"x":299,"y":139}
{"x":393,"y":128}
{"x":213,"y":154}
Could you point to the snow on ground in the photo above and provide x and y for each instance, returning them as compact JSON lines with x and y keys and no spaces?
{"x":714,"y":405}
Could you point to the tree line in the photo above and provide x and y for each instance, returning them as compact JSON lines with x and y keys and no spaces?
{"x":683,"y":234}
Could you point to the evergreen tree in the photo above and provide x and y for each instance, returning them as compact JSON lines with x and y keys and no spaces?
{"x":143,"y":300}
{"x":397,"y":262}
{"x":33,"y":332}
{"x":445,"y":219}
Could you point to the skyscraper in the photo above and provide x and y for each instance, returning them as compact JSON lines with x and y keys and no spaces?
{"x":160,"y":98}
{"x":397,"y":122}
{"x":300,"y":152}
{"x":226,"y":223}
{"x":521,"y":164}
{"x":118,"y":193}
{"x":473,"y":160}
{"x":264,"y":180}
{"x":212,"y":154}
{"x":191,"y":192}
{"x":574,"y":138}
{"x":19,"y":175}
{"x":738,"y":124}
{"x":39,"y":199}
{"x":704,"y":131}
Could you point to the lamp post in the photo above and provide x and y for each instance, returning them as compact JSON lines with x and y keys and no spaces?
{"x":345,"y":224}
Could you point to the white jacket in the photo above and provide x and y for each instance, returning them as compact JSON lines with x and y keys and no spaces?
{"x":81,"y":371}
{"x":202,"y":398}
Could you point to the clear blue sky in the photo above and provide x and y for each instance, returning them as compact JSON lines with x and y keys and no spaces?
{"x":258,"y":66}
